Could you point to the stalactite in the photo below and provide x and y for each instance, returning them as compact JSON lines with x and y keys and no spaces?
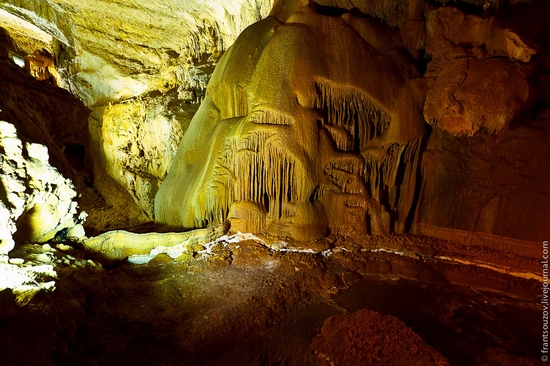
{"x":391,"y":177}
{"x":232,"y":100}
{"x":323,"y":190}
{"x":266,"y":174}
{"x":348,"y":183}
{"x":351,"y":163}
{"x":342,"y":138}
{"x":352,"y":109}
{"x":271,"y":117}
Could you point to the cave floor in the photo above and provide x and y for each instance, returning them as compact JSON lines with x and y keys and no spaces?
{"x":247,"y":304}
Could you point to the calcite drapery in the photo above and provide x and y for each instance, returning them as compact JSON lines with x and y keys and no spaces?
{"x":306,"y":128}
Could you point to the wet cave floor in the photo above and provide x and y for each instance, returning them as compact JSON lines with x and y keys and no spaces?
{"x":247,"y":304}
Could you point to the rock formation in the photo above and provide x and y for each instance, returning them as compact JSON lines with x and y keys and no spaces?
{"x":354,"y":136}
{"x":36,"y":202}
{"x":475,"y":60}
{"x":135,"y":66}
{"x":354,"y":144}
{"x":113,"y":246}
{"x":472,"y":95}
{"x":337,"y":148}
{"x":323,"y":122}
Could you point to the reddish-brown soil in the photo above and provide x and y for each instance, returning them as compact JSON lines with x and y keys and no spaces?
{"x":369,"y":338}
{"x":246,"y":304}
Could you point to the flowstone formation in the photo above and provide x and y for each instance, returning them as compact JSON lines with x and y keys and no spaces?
{"x":311,"y":124}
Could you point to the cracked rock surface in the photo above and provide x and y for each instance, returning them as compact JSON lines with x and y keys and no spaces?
{"x":37,"y":201}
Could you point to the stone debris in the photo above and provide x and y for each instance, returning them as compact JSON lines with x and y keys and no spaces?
{"x":368,"y":338}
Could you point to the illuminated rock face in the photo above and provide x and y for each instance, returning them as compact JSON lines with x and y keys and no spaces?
{"x":135,"y":142}
{"x":141,"y":68}
{"x":36,"y":202}
{"x":475,"y":60}
{"x":307,"y":128}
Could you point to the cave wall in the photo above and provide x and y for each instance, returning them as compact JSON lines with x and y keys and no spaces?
{"x":485,"y":167}
{"x":39,"y":176}
{"x":488,"y":190}
{"x":473,"y":77}
{"x":134,"y":65}
{"x":467,"y":172}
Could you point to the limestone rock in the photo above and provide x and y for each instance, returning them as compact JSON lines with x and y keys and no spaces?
{"x":324,"y":155}
{"x":21,"y":38}
{"x":413,"y":30}
{"x":474,"y":95}
{"x":114,"y":56}
{"x":114,"y":246}
{"x":134,"y":143}
{"x":47,"y":115}
{"x":37,"y":202}
{"x":482,"y":186}
{"x":452,"y":34}
{"x":115,"y":50}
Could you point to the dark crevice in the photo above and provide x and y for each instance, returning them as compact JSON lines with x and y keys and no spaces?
{"x":330,"y":11}
{"x":464,"y":6}
{"x":422,"y":62}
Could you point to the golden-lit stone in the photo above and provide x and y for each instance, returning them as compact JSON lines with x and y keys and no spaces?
{"x":304,"y":126}
{"x":143,"y":62}
{"x":114,"y":246}
{"x":38,"y":201}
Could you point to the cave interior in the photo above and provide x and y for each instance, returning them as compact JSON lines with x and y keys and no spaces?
{"x":274,"y":182}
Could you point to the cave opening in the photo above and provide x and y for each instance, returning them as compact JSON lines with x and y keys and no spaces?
{"x":76,"y":155}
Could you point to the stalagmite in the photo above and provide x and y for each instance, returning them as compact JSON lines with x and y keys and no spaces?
{"x":115,"y":246}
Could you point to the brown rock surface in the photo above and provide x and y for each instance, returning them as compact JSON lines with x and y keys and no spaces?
{"x":489,"y":184}
{"x":368,"y":338}
{"x":451,"y":33}
{"x":474,"y":95}
{"x":251,"y":302}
